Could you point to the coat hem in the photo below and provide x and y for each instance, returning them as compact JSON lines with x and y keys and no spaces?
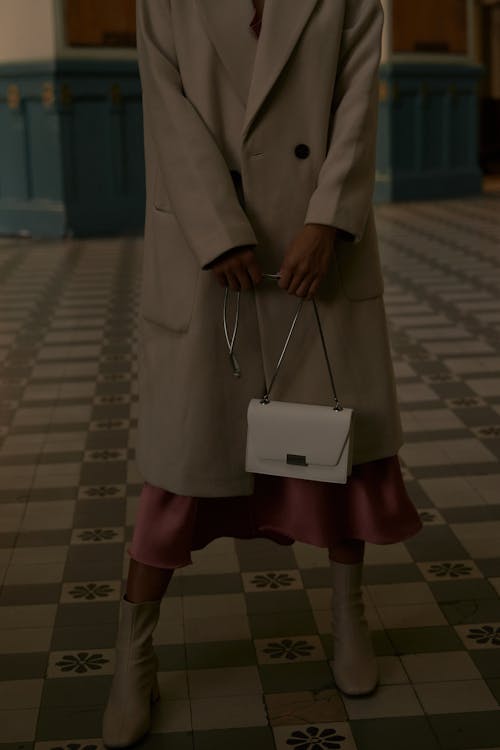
{"x":240,"y":486}
{"x":218,"y":488}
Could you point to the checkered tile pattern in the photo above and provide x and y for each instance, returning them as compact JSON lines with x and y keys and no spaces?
{"x":244,"y":638}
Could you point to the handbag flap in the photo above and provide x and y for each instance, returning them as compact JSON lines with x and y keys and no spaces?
{"x":298,"y":433}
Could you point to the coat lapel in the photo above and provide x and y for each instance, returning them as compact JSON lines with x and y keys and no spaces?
{"x":253,"y":74}
{"x":226,"y":24}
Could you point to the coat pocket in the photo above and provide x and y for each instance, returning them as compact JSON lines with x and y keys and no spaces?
{"x":359,"y":265}
{"x":170,"y":273}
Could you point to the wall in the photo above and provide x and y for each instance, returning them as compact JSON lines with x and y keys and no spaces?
{"x":428,"y":143}
{"x":71,"y":144}
{"x":67,"y":52}
{"x":27,"y":30}
{"x":418,"y":27}
{"x":94,"y":23}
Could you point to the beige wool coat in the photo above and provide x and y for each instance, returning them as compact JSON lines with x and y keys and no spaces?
{"x":247,"y":140}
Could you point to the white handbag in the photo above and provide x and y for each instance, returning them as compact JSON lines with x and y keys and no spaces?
{"x":307,"y":441}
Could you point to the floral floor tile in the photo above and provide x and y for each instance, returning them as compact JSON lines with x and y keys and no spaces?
{"x":81,"y":663}
{"x":476,"y":636}
{"x":69,"y":428}
{"x":449,"y":570}
{"x":274,"y":580}
{"x":315,"y":736}
{"x":289,"y":649}
{"x":98,"y":535}
{"x":75,"y":592}
{"x":100,"y":491}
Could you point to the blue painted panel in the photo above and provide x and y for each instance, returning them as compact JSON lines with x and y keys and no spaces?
{"x":433,"y":116}
{"x":14,"y":181}
{"x":76,"y":164}
{"x":118,"y":153}
{"x":404,"y":132}
{"x":36,"y":217}
{"x":91,"y":153}
{"x":429,"y":119}
{"x":460,"y":141}
{"x":30,"y":171}
{"x":44,"y":151}
{"x":384,"y":138}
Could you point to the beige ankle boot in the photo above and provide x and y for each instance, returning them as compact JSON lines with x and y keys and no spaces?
{"x":127,"y":716}
{"x":355,"y":666}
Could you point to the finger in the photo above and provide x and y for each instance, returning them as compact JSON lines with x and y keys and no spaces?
{"x":221,"y":278}
{"x":254,"y":272}
{"x":303,"y":288}
{"x":296,"y":281}
{"x":243,"y":278}
{"x":313,"y":289}
{"x":232,"y":280}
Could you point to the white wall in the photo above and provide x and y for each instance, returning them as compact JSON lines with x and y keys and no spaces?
{"x":27,"y":30}
{"x":34,"y":30}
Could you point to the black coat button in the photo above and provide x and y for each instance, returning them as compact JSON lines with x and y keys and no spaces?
{"x":302,"y":151}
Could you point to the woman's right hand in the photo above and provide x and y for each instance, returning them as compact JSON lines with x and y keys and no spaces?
{"x":238,"y":268}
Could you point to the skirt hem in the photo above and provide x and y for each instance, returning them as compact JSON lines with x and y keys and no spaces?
{"x":277,"y":536}
{"x":373,"y":506}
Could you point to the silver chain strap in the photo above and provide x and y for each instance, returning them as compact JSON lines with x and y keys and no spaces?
{"x":230,"y":343}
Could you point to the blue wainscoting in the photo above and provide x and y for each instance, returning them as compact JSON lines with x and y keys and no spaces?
{"x":72,"y":152}
{"x":428,"y":132}
{"x":71,"y":148}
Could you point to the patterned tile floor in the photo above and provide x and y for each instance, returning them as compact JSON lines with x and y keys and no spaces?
{"x":243,"y":639}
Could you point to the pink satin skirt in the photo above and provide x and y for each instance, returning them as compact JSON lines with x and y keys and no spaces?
{"x":373,"y":506}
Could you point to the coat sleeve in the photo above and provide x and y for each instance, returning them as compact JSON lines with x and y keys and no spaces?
{"x":193,"y":169}
{"x":344,"y":192}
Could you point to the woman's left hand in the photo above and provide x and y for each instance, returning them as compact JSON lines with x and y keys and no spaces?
{"x":306,"y":260}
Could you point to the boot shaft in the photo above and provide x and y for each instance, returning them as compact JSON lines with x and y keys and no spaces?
{"x":137,"y":621}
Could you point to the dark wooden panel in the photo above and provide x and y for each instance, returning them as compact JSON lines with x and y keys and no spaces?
{"x":96,"y":23}
{"x":430,"y":26}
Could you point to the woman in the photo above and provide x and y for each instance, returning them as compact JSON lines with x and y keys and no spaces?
{"x":260,"y":151}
